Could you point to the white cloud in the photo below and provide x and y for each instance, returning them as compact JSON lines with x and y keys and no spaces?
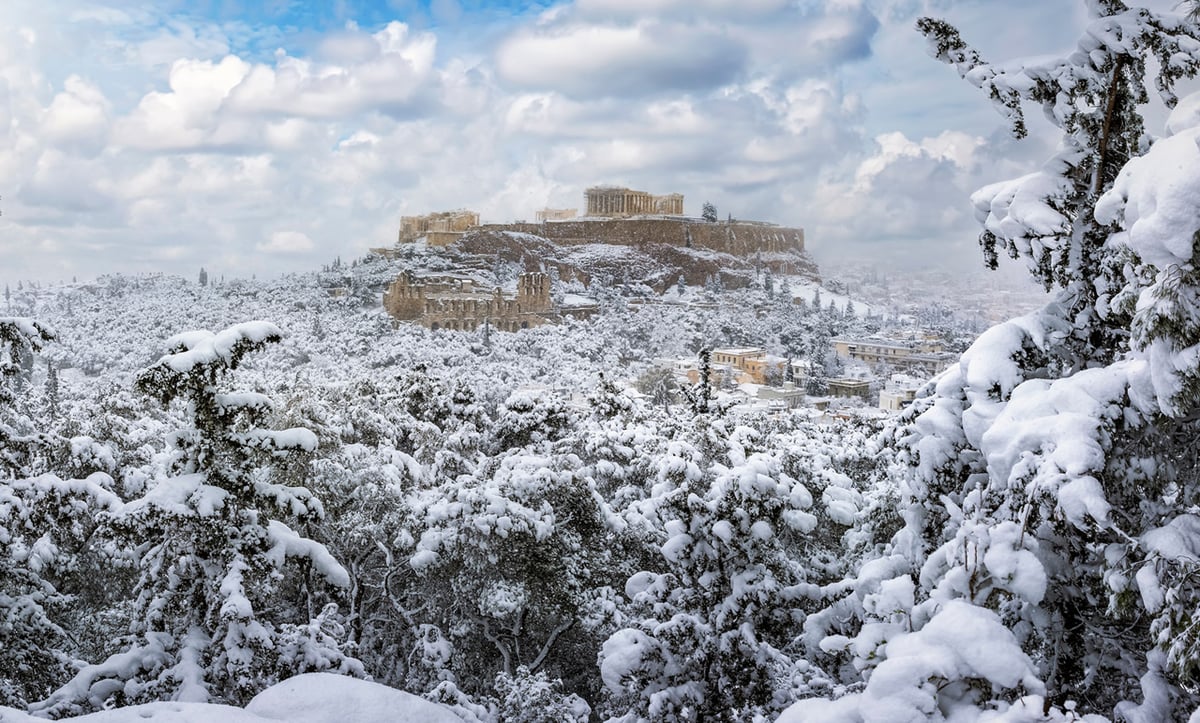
{"x":624,"y":48}
{"x":179,"y":40}
{"x":61,"y":186}
{"x":598,"y":60}
{"x":77,"y":117}
{"x":287,"y":242}
{"x":951,"y":146}
{"x":101,"y":15}
{"x":813,"y":117}
{"x":907,"y":196}
{"x":729,"y":10}
{"x":187,"y":115}
{"x":386,"y":78}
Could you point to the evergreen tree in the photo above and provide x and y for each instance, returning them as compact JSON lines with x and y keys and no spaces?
{"x":1093,"y":95}
{"x":710,"y":619}
{"x":708,"y":212}
{"x":42,"y":520}
{"x":212,"y":548}
{"x":51,"y":392}
{"x":20,"y":339}
{"x":1051,"y":481}
{"x":700,"y":395}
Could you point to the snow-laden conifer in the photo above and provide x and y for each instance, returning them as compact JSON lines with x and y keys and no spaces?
{"x":44,"y":523}
{"x":212,"y":543}
{"x":1048,"y":479}
{"x":709,"y":620}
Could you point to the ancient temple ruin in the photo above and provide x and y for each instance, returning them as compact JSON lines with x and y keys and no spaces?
{"x":556,"y":214}
{"x":617,"y":216}
{"x":439,"y":229}
{"x":614,"y":202}
{"x":459,"y":303}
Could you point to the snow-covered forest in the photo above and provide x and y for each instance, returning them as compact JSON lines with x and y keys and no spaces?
{"x":490,"y":522}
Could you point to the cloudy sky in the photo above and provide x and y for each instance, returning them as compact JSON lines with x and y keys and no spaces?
{"x":265,"y":136}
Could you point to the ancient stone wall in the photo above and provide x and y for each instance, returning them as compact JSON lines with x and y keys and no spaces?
{"x":451,"y":303}
{"x":740,"y":238}
{"x":442,"y":238}
{"x":556,"y":214}
{"x":412,"y":227}
{"x":405,"y":299}
{"x":533,"y":292}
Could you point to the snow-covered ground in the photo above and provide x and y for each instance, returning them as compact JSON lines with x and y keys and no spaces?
{"x":807,"y":289}
{"x":309,"y":698}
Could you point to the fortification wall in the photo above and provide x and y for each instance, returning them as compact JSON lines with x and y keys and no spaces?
{"x":447,"y":303}
{"x":404,"y":299}
{"x":738,"y":237}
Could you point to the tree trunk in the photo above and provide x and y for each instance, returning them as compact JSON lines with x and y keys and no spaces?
{"x":1110,"y":113}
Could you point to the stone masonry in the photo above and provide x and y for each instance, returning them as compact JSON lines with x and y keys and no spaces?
{"x":614,"y":202}
{"x":457,"y":303}
{"x":740,"y":238}
{"x":556,"y":214}
{"x":440,"y":229}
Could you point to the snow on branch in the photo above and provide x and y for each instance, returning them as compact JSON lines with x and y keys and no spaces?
{"x":286,"y":542}
{"x":183,"y":495}
{"x":20,"y":337}
{"x":1154,"y":202}
{"x":1130,"y":33}
{"x":196,"y":350}
{"x":295,"y":438}
{"x":1054,"y":437}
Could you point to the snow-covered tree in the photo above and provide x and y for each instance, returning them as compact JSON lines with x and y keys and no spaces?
{"x":44,"y":520}
{"x":1093,"y":95}
{"x":1048,"y":481}
{"x":708,"y":622}
{"x":212,"y":544}
{"x":700,"y":395}
{"x":20,"y":339}
{"x":511,"y":569}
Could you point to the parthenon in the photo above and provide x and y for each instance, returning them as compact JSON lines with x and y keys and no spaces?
{"x":611,"y":201}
